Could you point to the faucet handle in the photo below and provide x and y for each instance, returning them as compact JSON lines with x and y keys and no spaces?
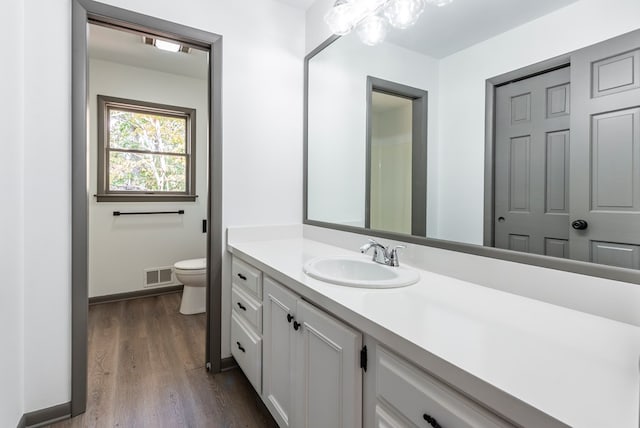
{"x":393,"y":255}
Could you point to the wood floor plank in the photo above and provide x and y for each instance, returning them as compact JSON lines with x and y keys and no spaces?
{"x":146,"y":369}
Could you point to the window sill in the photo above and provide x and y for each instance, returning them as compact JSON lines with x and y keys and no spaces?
{"x":145,"y":198}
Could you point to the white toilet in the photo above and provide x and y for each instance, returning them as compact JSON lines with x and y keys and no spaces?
{"x":193,"y":274}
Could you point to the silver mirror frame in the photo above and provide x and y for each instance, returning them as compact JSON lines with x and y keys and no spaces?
{"x":574,"y":266}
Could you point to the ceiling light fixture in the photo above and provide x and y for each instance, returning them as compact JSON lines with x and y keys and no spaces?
{"x":165,"y":45}
{"x":372,"y":18}
{"x":439,"y":3}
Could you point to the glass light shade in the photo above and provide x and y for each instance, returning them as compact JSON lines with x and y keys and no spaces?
{"x":439,"y":3}
{"x":363,"y":8}
{"x":372,"y":30}
{"x":404,"y":13}
{"x":340,"y":18}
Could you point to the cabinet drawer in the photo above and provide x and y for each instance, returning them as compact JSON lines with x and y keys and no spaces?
{"x":249,"y":308}
{"x":386,"y":419}
{"x":417,"y":396}
{"x":247,"y":277}
{"x":246,"y":348}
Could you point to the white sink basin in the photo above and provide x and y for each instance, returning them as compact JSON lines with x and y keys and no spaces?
{"x":359,"y":272}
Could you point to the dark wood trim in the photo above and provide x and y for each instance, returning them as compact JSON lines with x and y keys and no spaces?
{"x":228,"y":363}
{"x":367,"y":156}
{"x":47,"y":416}
{"x":489,"y":173}
{"x":215,"y":236}
{"x":149,"y":292}
{"x":79,"y":208}
{"x":122,"y":197}
{"x":83,"y":12}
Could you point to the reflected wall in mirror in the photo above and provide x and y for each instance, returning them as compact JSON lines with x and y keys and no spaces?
{"x":533,"y":141}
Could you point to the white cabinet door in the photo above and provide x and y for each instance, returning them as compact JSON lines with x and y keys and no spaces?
{"x":328,"y":378}
{"x":279,"y":351}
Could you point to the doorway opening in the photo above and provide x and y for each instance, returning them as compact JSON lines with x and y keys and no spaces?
{"x":396,"y":158}
{"x":168,"y":183}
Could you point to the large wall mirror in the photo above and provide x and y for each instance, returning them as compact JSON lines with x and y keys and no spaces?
{"x":483,"y":132}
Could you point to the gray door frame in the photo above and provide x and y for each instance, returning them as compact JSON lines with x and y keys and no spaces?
{"x":490,"y":131}
{"x":83,"y":12}
{"x":419,"y":112}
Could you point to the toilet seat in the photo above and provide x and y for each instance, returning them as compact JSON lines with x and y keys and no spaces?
{"x":191,"y":264}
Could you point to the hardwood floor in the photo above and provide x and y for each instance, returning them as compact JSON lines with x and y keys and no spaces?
{"x":146,"y":369}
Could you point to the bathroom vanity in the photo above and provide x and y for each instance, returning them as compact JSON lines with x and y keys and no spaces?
{"x":439,"y":353}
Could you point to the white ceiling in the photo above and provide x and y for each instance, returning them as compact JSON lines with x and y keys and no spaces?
{"x":442,"y":31}
{"x":127,"y":48}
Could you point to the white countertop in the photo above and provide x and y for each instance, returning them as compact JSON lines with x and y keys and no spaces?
{"x":581,"y":369}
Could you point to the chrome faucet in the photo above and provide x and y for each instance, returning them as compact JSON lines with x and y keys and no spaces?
{"x":382,"y":254}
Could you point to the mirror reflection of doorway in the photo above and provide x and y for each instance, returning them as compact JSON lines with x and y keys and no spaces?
{"x":391,"y":143}
{"x":396,"y":182}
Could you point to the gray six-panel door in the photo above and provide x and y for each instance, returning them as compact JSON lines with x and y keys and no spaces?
{"x":532,"y":164}
{"x":605,"y":158}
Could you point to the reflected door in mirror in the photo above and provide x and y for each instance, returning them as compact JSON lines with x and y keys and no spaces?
{"x":532,"y":165}
{"x":577,"y":199}
{"x":605,"y":174}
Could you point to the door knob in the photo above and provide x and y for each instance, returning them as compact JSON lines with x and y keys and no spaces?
{"x":580,"y":224}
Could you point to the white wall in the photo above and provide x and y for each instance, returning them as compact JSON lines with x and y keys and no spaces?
{"x":462,"y":97}
{"x":11,"y":222}
{"x":337,"y":96}
{"x":120,"y":248}
{"x":316,"y":31}
{"x":262,"y":156}
{"x":47,"y":203}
